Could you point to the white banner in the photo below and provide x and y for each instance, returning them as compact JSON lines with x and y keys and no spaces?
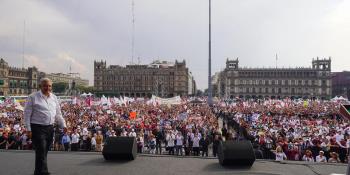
{"x":167,"y":101}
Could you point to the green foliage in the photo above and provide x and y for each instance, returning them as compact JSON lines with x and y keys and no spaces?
{"x":85,"y":89}
{"x":59,"y":87}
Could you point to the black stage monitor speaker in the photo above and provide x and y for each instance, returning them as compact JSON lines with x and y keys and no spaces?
{"x":120,"y":148}
{"x":236,"y":153}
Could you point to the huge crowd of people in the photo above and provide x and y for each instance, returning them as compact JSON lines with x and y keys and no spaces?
{"x":293,"y":130}
{"x":303,"y":130}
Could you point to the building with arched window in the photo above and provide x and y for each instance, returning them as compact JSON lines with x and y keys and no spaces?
{"x":18,"y":81}
{"x":313,"y":82}
{"x":160,"y":78}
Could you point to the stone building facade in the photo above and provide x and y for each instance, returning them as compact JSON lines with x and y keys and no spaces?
{"x":18,"y":81}
{"x":162,"y":79}
{"x":341,"y":84}
{"x":68,"y":78}
{"x":313,"y":82}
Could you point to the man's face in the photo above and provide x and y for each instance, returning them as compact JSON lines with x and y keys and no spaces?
{"x":46,"y":87}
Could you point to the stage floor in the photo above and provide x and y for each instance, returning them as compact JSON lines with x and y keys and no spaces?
{"x":86,"y":163}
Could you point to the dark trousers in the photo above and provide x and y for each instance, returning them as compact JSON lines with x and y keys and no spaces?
{"x":178,"y":150}
{"x":66,"y":146}
{"x":196,"y":151}
{"x":187,"y":150}
{"x":42,"y":138}
{"x":159,"y":147}
{"x":215,"y":150}
{"x":75,"y":147}
{"x":139,"y":148}
{"x":171,"y":150}
{"x":205,"y":151}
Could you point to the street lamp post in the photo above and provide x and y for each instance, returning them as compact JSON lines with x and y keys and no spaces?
{"x":210,"y":100}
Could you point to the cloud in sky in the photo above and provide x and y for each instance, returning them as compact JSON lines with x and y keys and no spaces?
{"x":63,"y":33}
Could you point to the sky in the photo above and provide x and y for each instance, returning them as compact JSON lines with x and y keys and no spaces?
{"x":61,"y":34}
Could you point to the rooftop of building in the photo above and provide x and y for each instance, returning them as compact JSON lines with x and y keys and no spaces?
{"x":316,"y":62}
{"x":66,"y":75}
{"x":153,"y":64}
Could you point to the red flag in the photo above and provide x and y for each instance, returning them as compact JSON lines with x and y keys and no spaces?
{"x":88,"y":101}
{"x":132,"y":115}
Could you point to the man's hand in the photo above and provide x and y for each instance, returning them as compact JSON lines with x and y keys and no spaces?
{"x":29,"y":134}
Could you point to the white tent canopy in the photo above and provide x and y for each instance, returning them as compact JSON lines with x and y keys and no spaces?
{"x":340,"y":98}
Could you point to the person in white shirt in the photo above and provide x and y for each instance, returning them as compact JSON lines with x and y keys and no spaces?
{"x":93,"y":142}
{"x":113,"y":134}
{"x":195,"y":146}
{"x":280,"y":155}
{"x":339,"y":136}
{"x":23,"y":139}
{"x":132,"y":133}
{"x":140,"y":143}
{"x":321,"y":157}
{"x":17,"y":127}
{"x":170,"y":138}
{"x":179,"y":143}
{"x":152,"y":144}
{"x":41,"y":111}
{"x":75,"y":141}
{"x":124,"y":133}
{"x":308,"y":156}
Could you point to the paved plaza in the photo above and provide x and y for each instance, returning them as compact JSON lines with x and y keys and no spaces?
{"x":74,"y":163}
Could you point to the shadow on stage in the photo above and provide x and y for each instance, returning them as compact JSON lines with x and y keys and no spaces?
{"x":216,"y":167}
{"x":102,"y":162}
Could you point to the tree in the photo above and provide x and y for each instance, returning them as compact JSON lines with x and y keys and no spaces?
{"x":85,"y":89}
{"x":199,"y":93}
{"x":59,"y":87}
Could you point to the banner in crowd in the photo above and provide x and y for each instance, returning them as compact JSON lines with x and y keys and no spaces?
{"x":166,"y":101}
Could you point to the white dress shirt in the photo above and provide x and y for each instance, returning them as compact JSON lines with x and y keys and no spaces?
{"x":179,"y":139}
{"x":196,"y":141}
{"x":93,"y":141}
{"x":321,"y":159}
{"x":75,"y":138}
{"x":171,"y":139}
{"x":43,"y":110}
{"x":132,"y":134}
